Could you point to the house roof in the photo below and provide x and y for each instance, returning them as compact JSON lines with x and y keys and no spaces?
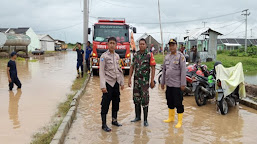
{"x":41,"y":36}
{"x":145,"y":35}
{"x":194,"y":34}
{"x":235,"y":41}
{"x":229,"y":44}
{"x":20,"y":30}
{"x":3,"y":30}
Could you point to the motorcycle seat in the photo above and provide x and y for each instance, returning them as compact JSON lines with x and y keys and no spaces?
{"x":205,"y":78}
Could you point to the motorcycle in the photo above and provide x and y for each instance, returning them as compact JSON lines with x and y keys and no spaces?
{"x":223,"y":102}
{"x":191,"y":79}
{"x":205,"y":89}
{"x":230,"y":87}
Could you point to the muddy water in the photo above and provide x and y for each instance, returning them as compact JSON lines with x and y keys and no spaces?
{"x":251,"y":78}
{"x":201,"y":124}
{"x":44,"y":84}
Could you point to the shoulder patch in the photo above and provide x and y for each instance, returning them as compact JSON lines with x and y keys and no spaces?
{"x":102,"y":59}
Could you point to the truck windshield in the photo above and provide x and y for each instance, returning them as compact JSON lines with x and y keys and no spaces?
{"x":103,"y":32}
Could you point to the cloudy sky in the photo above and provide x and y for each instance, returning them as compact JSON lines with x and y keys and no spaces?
{"x":62,"y":19}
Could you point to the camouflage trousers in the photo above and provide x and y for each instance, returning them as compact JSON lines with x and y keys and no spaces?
{"x":141,"y":94}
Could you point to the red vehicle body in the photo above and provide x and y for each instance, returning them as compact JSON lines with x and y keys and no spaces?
{"x":104,"y":29}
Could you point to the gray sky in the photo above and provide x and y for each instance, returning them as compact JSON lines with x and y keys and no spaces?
{"x":62,"y":19}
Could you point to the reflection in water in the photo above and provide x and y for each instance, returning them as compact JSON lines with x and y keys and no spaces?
{"x":14,"y":107}
{"x":200,"y":124}
{"x":46,"y":83}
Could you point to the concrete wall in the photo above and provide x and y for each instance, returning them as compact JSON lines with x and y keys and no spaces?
{"x":34,"y":40}
{"x":47,"y":43}
{"x":212,"y":51}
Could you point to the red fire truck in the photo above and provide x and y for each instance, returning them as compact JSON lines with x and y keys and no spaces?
{"x":104,"y":29}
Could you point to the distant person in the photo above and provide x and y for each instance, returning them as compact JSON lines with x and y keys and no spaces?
{"x":88,"y":53}
{"x":80,"y":58}
{"x":182,"y":49}
{"x":194,"y":53}
{"x":152,"y":49}
{"x":12,"y":72}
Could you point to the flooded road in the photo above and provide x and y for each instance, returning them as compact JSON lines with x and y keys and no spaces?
{"x":200,"y":124}
{"x":45,"y":83}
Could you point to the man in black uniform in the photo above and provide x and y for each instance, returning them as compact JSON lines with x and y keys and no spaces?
{"x":80,"y":59}
{"x":12,"y":72}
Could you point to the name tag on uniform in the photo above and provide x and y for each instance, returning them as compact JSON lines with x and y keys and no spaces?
{"x":176,"y":62}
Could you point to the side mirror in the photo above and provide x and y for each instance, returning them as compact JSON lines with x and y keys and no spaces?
{"x":134,"y":30}
{"x":89,"y":31}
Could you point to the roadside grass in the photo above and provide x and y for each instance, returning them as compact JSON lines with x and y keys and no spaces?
{"x":33,"y":60}
{"x":249,"y":63}
{"x":47,"y":133}
{"x":159,"y":58}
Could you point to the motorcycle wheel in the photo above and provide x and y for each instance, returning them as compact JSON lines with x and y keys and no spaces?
{"x":223,"y":106}
{"x":199,"y":96}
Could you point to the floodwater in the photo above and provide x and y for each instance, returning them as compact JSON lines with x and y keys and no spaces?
{"x":45,"y":83}
{"x":251,"y":78}
{"x":200,"y":124}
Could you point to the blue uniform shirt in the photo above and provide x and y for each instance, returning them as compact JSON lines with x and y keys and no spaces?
{"x":88,"y":51}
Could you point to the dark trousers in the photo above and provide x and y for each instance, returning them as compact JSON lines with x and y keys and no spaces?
{"x":88,"y":64}
{"x":113,"y":95}
{"x":80,"y":64}
{"x":174,"y":99}
{"x":16,"y":81}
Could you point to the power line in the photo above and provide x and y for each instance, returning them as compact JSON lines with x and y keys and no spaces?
{"x":118,"y":4}
{"x":233,"y":30}
{"x":61,"y":28}
{"x":194,"y":19}
{"x":229,"y":24}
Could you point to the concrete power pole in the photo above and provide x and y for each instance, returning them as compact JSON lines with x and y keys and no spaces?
{"x":246,"y":14}
{"x":160,"y":27}
{"x":204,"y":24}
{"x":85,"y":27}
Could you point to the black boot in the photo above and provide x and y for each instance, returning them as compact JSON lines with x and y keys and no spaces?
{"x":114,"y":119}
{"x":82,"y":73}
{"x":104,"y":126}
{"x":138,"y":113}
{"x":145,"y":116}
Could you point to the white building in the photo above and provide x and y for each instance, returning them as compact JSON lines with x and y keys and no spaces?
{"x":47,"y":43}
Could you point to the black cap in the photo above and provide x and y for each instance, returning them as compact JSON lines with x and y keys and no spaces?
{"x":172,"y":41}
{"x":13,"y":54}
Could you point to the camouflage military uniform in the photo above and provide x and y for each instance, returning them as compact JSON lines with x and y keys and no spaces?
{"x":142,"y":63}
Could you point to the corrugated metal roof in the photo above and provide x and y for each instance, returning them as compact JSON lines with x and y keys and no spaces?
{"x":3,"y":30}
{"x":219,"y":41}
{"x":224,"y":41}
{"x":194,"y":34}
{"x":232,"y":41}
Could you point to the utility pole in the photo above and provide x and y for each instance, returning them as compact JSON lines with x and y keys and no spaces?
{"x":251,"y":33}
{"x":85,"y":27}
{"x":160,"y":27}
{"x":204,"y":24}
{"x":246,"y":14}
{"x":188,"y":47}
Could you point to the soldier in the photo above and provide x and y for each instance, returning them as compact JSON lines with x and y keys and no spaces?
{"x":174,"y":76}
{"x":141,"y":63}
{"x":111,"y":78}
